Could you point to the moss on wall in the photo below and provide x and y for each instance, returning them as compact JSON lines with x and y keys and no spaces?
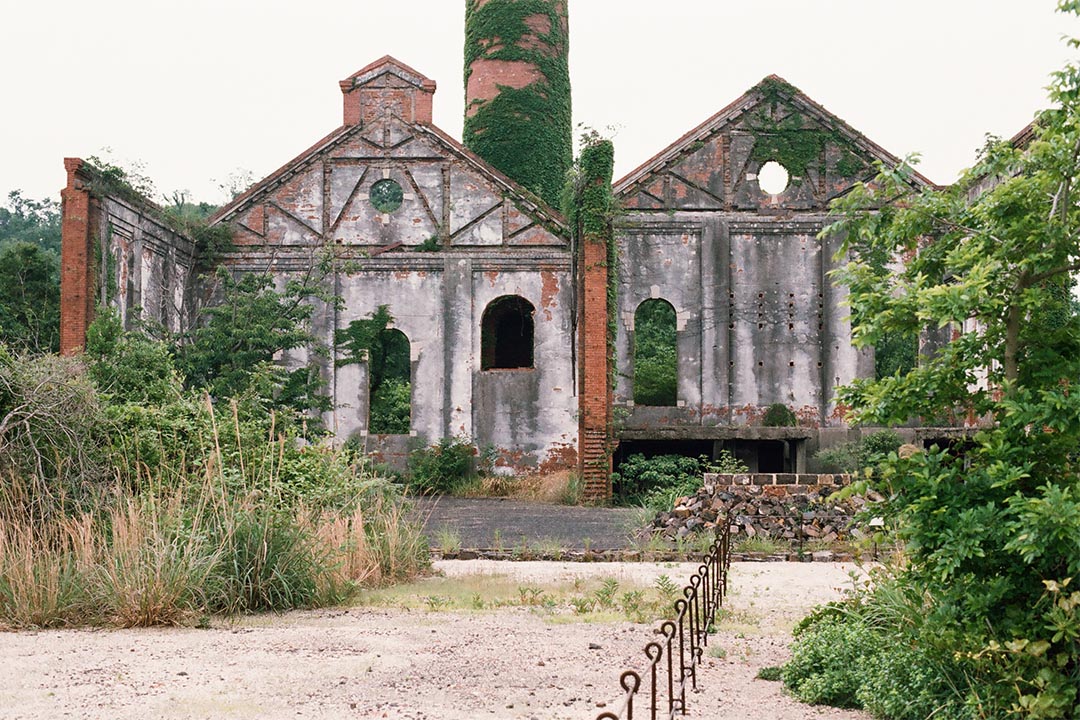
{"x":792,"y":141}
{"x":526,"y":133}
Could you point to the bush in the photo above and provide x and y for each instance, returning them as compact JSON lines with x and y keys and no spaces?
{"x":658,"y":481}
{"x":779,"y":415}
{"x":442,"y":466}
{"x":825,"y":661}
{"x":854,"y":457}
{"x":52,"y":427}
{"x":885,"y":650}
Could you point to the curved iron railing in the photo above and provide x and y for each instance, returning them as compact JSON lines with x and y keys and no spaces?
{"x":673,"y":660}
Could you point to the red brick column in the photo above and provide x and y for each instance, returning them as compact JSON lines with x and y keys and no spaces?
{"x":594,"y":398}
{"x":76,"y":262}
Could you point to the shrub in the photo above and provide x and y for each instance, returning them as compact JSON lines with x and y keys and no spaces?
{"x":825,"y":661}
{"x":779,"y":415}
{"x":52,"y":427}
{"x":438,"y":468}
{"x":658,"y":481}
{"x":854,"y":457}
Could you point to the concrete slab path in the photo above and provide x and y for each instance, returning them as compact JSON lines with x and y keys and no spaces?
{"x":490,"y":523}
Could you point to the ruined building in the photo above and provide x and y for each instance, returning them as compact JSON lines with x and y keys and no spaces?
{"x":504,"y":310}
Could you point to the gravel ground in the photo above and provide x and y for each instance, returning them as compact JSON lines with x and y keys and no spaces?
{"x":411,"y":664}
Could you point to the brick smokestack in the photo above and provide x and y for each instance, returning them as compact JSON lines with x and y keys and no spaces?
{"x":517,"y":90}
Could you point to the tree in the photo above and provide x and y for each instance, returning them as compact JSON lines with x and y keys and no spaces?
{"x":389,"y":369}
{"x":656,"y":355}
{"x":232,"y":349}
{"x":992,"y":534}
{"x":32,"y":221}
{"x":29,"y":298}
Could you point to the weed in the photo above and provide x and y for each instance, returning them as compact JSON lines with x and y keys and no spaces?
{"x":669,"y":592}
{"x":605,"y":594}
{"x":447,"y":540}
{"x":715,"y":651}
{"x":632,"y":605}
{"x":771,"y":673}
{"x":435,"y":603}
{"x":582,"y":605}
{"x":760,"y":544}
{"x":531,"y":595}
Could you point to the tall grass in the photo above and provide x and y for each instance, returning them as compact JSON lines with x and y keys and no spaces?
{"x":172,"y":548}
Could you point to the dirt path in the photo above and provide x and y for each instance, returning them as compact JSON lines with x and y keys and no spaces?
{"x":412,"y":664}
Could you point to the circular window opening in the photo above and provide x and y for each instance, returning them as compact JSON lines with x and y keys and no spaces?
{"x":773,"y":178}
{"x":386,"y":196}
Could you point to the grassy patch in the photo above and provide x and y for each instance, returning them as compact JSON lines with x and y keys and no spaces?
{"x":592,"y":600}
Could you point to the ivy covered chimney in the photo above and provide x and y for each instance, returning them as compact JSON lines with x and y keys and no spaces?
{"x":517,"y":90}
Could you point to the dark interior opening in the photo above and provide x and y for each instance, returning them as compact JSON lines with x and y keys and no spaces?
{"x":770,"y":456}
{"x":506,"y":334}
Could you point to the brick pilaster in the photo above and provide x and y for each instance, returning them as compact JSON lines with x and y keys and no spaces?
{"x":76,"y":262}
{"x":594,"y":399}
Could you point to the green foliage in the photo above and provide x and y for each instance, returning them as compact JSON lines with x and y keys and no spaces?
{"x":231,"y":351}
{"x":391,"y":408}
{"x":438,"y":468}
{"x":656,"y":355}
{"x":29,"y":297}
{"x":658,"y":481}
{"x":854,"y":457}
{"x":590,"y":207}
{"x":772,"y":673}
{"x":791,"y":141}
{"x":525,"y":132}
{"x":992,"y":538}
{"x":36,"y":222}
{"x":129,"y":366}
{"x":388,"y":358}
{"x":52,"y":426}
{"x":191,"y":219}
{"x":825,"y":659}
{"x":779,"y":415}
{"x":432,"y":244}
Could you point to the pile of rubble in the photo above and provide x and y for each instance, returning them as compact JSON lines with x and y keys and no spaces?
{"x":795,"y":516}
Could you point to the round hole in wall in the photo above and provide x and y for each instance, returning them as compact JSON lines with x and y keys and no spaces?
{"x":773,"y":178}
{"x":386,"y":195}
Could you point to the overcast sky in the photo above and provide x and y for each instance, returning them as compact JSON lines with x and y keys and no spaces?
{"x":197,"y":90}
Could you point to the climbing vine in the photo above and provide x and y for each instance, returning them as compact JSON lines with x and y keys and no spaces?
{"x":789,"y":142}
{"x":591,"y":215}
{"x":526,"y":132}
{"x":187,"y":218}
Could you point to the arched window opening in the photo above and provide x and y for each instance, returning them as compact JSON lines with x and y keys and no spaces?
{"x":390,"y":384}
{"x":506,"y":334}
{"x":656,"y":356}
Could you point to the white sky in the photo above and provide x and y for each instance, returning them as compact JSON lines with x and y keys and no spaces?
{"x":196,"y":90}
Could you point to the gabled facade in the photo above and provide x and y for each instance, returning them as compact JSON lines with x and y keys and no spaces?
{"x":492,"y":298}
{"x":758,"y":320}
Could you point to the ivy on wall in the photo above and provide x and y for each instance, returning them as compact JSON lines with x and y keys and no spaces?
{"x":526,"y":133}
{"x":591,"y":214}
{"x":789,"y":141}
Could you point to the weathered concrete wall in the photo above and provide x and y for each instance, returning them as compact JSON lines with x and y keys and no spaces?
{"x":758,"y":320}
{"x":119,"y":250}
{"x":482,"y":239}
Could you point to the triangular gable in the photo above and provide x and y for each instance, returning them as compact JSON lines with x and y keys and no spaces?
{"x":448,"y":194}
{"x":387,"y":65}
{"x":715,"y":166}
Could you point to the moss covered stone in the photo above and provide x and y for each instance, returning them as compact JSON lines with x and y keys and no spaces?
{"x":525,"y":132}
